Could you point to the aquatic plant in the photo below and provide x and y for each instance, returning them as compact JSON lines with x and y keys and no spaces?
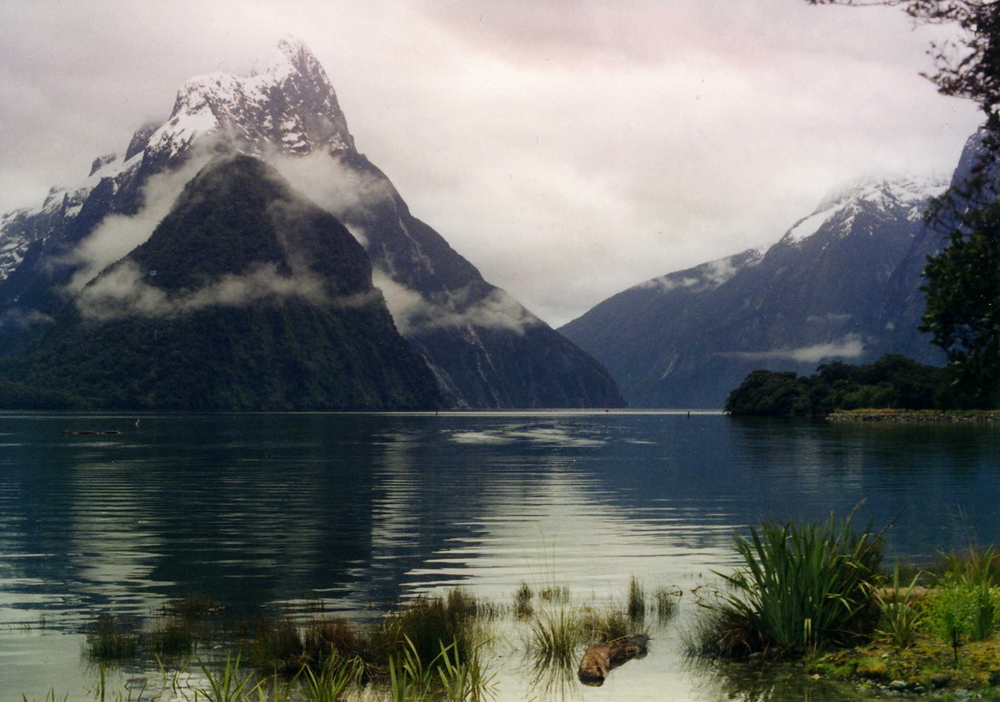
{"x":666,"y":600}
{"x":423,"y":626}
{"x":276,"y":645}
{"x":522,"y":601}
{"x":228,"y":685}
{"x":555,"y":635}
{"x":802,"y":585}
{"x":332,"y":637}
{"x":112,"y":639}
{"x":465,"y":679}
{"x":636,"y":607}
{"x":556,"y":594}
{"x":409,"y":680}
{"x":50,"y":696}
{"x":607,"y":623}
{"x":332,"y":678}
{"x":172,"y":636}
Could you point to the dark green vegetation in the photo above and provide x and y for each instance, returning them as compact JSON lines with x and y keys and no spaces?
{"x":802,"y":587}
{"x":890,"y":382}
{"x":963,"y":304}
{"x":815,"y":593}
{"x":245,"y":297}
{"x":938,"y":635}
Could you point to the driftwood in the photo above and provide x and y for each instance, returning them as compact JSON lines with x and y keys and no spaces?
{"x":601,"y":658}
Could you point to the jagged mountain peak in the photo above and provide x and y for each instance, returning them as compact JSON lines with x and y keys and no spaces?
{"x":901,"y":189}
{"x":292,"y":56}
{"x":291,"y":104}
{"x":894,"y":196}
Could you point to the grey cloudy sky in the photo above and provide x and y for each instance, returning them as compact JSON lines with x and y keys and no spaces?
{"x":568,"y":148}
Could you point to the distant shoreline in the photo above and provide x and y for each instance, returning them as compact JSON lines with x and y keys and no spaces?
{"x":915,"y":416}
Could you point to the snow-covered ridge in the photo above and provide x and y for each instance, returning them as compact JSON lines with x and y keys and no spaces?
{"x":291,"y":103}
{"x":60,"y":204}
{"x":897,"y":196}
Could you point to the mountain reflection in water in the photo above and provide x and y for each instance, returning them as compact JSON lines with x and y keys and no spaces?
{"x":349,"y":513}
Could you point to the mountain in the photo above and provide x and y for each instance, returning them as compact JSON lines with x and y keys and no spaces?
{"x":833,"y":287}
{"x":484,"y":348}
{"x":245,"y":297}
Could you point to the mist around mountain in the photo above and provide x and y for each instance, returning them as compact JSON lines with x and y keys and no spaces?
{"x":245,"y":297}
{"x":483,"y":348}
{"x":842,"y":284}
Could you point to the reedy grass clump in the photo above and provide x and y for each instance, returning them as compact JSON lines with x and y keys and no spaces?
{"x":50,"y":696}
{"x":332,"y":678}
{"x":802,"y":586}
{"x":555,"y":636}
{"x":426,"y":625}
{"x":228,"y":685}
{"x":608,"y":623}
{"x":666,"y":600}
{"x":636,"y":606}
{"x":448,"y":676}
{"x":522,"y":601}
{"x":112,"y":639}
{"x":902,"y":615}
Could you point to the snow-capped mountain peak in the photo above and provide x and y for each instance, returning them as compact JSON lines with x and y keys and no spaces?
{"x":292,"y":104}
{"x":904,"y":196}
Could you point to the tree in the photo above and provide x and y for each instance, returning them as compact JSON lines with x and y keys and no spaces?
{"x":962,"y":282}
{"x":963,"y":311}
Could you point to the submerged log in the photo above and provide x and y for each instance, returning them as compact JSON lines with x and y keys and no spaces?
{"x":601,"y":658}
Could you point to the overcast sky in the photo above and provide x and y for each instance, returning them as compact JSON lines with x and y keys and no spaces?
{"x":568,"y":148}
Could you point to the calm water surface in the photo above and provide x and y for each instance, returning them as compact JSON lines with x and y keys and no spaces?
{"x":350,"y":513}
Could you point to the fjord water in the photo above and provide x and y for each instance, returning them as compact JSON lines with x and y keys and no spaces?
{"x":349,"y":513}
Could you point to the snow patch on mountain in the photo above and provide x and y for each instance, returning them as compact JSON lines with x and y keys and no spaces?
{"x":291,"y":104}
{"x":898,"y":197}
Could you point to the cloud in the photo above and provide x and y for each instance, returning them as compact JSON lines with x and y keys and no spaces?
{"x":118,"y":234}
{"x":670,"y":282}
{"x":123,"y":292}
{"x":850,"y":346}
{"x":333,"y":185}
{"x":413,"y":313}
{"x":22,"y":319}
{"x":707,"y":276}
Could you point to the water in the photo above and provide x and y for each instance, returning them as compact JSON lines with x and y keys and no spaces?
{"x":350,"y":513}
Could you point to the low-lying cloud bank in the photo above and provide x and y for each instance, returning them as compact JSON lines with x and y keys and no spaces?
{"x":119,"y":234}
{"x":850,"y":346}
{"x":413,"y":313}
{"x":123,"y":292}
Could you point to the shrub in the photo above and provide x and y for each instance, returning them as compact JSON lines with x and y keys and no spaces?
{"x":802,"y":586}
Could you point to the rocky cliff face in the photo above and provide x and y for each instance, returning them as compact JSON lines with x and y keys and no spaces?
{"x":485,"y":349}
{"x":829,"y":289}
